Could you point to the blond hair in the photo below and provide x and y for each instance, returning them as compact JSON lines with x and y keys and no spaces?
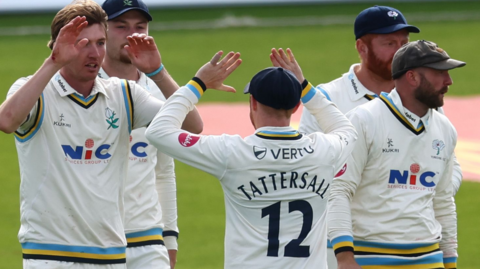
{"x":92,"y":11}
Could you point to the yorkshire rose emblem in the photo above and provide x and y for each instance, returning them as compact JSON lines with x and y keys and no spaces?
{"x":110,"y":114}
{"x":392,"y":14}
{"x":438,"y":145}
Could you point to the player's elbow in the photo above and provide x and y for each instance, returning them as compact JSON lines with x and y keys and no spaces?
{"x":193,"y":126}
{"x":196,"y":128}
{"x":149,"y":134}
{"x":7,"y":124}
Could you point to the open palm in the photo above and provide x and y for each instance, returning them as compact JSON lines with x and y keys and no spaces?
{"x":66,"y":48}
{"x":143,"y":52}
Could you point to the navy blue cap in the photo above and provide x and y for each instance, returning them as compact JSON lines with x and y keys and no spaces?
{"x":381,"y":20}
{"x":275,"y":87}
{"x":115,"y":8}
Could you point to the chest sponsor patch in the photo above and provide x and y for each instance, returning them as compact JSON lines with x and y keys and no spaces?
{"x":188,"y":140}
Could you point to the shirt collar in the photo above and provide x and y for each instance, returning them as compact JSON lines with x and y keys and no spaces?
{"x":413,"y":119}
{"x":283,"y":133}
{"x":356,"y":90}
{"x":64,"y":89}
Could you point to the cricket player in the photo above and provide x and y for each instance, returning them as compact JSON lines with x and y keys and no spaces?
{"x":150,"y":173}
{"x":379,"y":32}
{"x":393,"y":207}
{"x":72,"y":133}
{"x":276,"y":181}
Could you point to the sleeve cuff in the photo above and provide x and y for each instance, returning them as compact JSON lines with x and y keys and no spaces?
{"x":450,"y":262}
{"x":342,"y":244}
{"x":170,"y":238}
{"x":308,"y":91}
{"x":197,"y":87}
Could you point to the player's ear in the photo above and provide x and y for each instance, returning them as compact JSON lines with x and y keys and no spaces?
{"x":296,"y":107}
{"x":361,"y":47}
{"x":413,"y":77}
{"x":253,"y":103}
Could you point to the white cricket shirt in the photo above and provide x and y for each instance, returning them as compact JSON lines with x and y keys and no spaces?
{"x":71,"y":151}
{"x":149,"y":170}
{"x":276,"y":181}
{"x":396,"y":193}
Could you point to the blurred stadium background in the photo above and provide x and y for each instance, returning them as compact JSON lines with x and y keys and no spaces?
{"x":321,"y":35}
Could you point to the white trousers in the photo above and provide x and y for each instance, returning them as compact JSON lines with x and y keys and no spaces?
{"x":48,"y":264}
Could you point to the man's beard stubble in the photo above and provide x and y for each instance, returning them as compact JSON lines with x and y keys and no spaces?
{"x":427,"y":95}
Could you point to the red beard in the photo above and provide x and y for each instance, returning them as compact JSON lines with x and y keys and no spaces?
{"x":375,"y":65}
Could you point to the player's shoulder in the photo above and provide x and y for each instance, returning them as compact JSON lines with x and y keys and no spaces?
{"x":367,"y":114}
{"x":441,"y":119}
{"x":114,"y":85}
{"x":17,"y":84}
{"x":332,"y":86}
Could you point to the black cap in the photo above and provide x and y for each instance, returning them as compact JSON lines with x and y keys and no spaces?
{"x":115,"y":8}
{"x":275,"y":87}
{"x":422,"y":53}
{"x":381,"y":20}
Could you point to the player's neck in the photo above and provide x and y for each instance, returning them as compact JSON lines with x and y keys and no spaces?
{"x":82,"y":87}
{"x":120,"y":69}
{"x":411,"y":103}
{"x":372,"y":81}
{"x":263,"y":119}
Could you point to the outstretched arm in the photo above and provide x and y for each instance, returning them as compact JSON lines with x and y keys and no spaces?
{"x":144,"y":54}
{"x":16,"y":108}
{"x":208,"y":153}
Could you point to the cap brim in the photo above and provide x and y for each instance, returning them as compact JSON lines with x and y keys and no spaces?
{"x":246,"y":89}
{"x":446,"y":65}
{"x":114,"y":15}
{"x":394,"y":28}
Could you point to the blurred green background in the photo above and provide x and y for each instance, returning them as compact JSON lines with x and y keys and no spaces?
{"x":325,"y":49}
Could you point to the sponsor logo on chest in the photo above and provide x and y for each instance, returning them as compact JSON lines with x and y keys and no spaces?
{"x":89,"y":153}
{"x":412,"y":179}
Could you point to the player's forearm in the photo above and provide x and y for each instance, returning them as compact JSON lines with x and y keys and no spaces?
{"x":193,"y":122}
{"x":171,"y":117}
{"x":308,"y":123}
{"x":172,"y":255}
{"x":165,"y":82}
{"x":339,"y":219}
{"x":17,"y":107}
{"x":445,"y":212}
{"x":167,"y":196}
{"x":456,"y":175}
{"x":329,"y":118}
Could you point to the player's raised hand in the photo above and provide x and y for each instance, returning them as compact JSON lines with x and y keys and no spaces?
{"x":215,"y":72}
{"x":280,"y":59}
{"x":66,"y":48}
{"x":143,"y":52}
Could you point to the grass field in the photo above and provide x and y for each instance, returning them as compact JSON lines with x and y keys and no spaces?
{"x":325,"y":52}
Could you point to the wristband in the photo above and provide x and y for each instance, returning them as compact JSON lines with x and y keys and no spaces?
{"x":155,"y":72}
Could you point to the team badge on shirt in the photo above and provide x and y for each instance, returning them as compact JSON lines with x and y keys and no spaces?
{"x":259,"y":152}
{"x":438,"y":145}
{"x":110,"y":114}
